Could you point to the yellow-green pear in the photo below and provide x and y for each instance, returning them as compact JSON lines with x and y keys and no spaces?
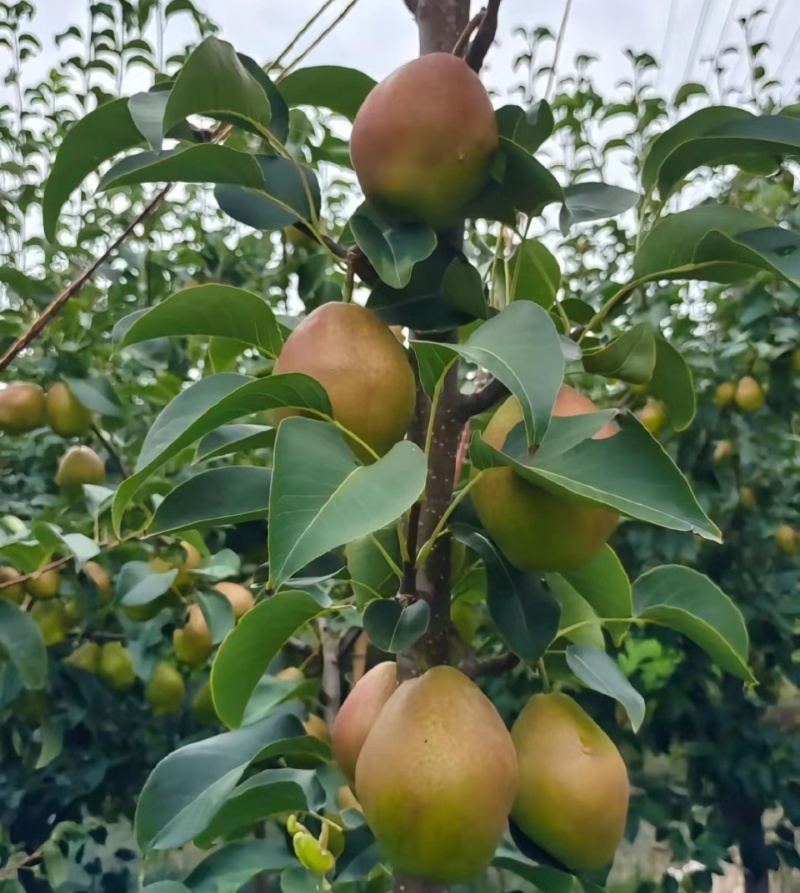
{"x":358,"y":714}
{"x":116,"y":666}
{"x":165,"y":689}
{"x":241,"y":598}
{"x":12,"y":589}
{"x":653,"y":415}
{"x":437,"y":776}
{"x":189,"y":561}
{"x":723,"y":451}
{"x":725,"y":394}
{"x":100,"y":577}
{"x":65,"y":414}
{"x":535,"y":529}
{"x":44,"y":585}
{"x":21,"y":407}
{"x":193,"y":644}
{"x":85,"y":657}
{"x":787,"y":538}
{"x":80,"y":465}
{"x":51,"y":618}
{"x":572,"y":798}
{"x":749,"y":394}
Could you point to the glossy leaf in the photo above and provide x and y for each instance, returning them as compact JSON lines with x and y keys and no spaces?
{"x":215,"y":83}
{"x":22,"y":644}
{"x":189,"y":786}
{"x":525,"y":613}
{"x":603,"y":583}
{"x":289,"y":193}
{"x":673,"y":384}
{"x":544,"y":878}
{"x":434,"y":360}
{"x":340,"y":89}
{"x":147,"y":111}
{"x":203,"y":163}
{"x":527,"y":128}
{"x":629,"y":357}
{"x":393,"y":628}
{"x":95,"y":394}
{"x":371,"y":575}
{"x":233,"y":439}
{"x":325,"y":497}
{"x":100,"y":135}
{"x":687,"y":601}
{"x":234,"y":864}
{"x":393,"y":250}
{"x":593,"y":201}
{"x":578,"y":622}
{"x":205,"y":406}
{"x":629,"y":472}
{"x":279,"y":111}
{"x":534,"y":275}
{"x":602,"y":673}
{"x":219,"y":496}
{"x":218,"y":614}
{"x":139,"y":584}
{"x":246,"y":653}
{"x":211,"y":310}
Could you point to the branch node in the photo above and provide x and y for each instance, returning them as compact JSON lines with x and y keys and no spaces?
{"x":484,"y":38}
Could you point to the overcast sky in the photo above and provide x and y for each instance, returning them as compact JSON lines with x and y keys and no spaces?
{"x":379,"y":35}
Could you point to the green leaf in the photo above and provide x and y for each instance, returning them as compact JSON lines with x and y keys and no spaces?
{"x":603,"y":583}
{"x":393,"y":628}
{"x":525,"y":613}
{"x":602,"y":673}
{"x":211,"y":310}
{"x":534,"y":275}
{"x":340,"y":89}
{"x":147,"y":111}
{"x":218,"y":614}
{"x":691,"y":245}
{"x":215,"y":83}
{"x":687,"y":601}
{"x":205,"y":406}
{"x":21,"y":642}
{"x":593,"y":201}
{"x":325,"y":497}
{"x":519,"y":185}
{"x":578,"y":622}
{"x":101,"y":135}
{"x":282,"y":199}
{"x":629,"y":472}
{"x":545,"y":879}
{"x":462,"y":288}
{"x":233,"y":865}
{"x":392,"y":250}
{"x":95,"y":394}
{"x":520,"y":347}
{"x":371,"y":575}
{"x":434,"y":359}
{"x":715,"y":136}
{"x":246,"y":653}
{"x":427,"y":303}
{"x":672,"y":383}
{"x":139,"y":584}
{"x":630,"y":357}
{"x":189,"y":787}
{"x":528,"y":129}
{"x":234,"y":439}
{"x":166,"y":887}
{"x":203,"y":163}
{"x":212,"y":498}
{"x":279,"y":111}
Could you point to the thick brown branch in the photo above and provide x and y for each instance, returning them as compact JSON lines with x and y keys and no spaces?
{"x":474,"y":404}
{"x":484,"y":39}
{"x":488,"y":666}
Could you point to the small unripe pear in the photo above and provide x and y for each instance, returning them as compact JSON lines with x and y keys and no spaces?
{"x":51,"y":618}
{"x":116,"y":666}
{"x":21,"y":408}
{"x":787,"y":538}
{"x":191,"y":560}
{"x":80,"y":465}
{"x":100,"y":577}
{"x":12,"y":590}
{"x":725,"y":394}
{"x":45,"y":585}
{"x":293,"y":674}
{"x":241,"y":599}
{"x":85,"y":657}
{"x":66,"y":415}
{"x":316,"y":727}
{"x":653,"y":416}
{"x":749,"y":394}
{"x":193,"y":644}
{"x":723,"y":451}
{"x":165,"y":689}
{"x":748,"y":498}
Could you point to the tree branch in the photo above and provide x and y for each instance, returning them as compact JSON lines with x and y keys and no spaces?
{"x":488,"y":666}
{"x":110,"y":448}
{"x":474,"y":404}
{"x":352,"y":255}
{"x":484,"y":38}
{"x":474,"y":22}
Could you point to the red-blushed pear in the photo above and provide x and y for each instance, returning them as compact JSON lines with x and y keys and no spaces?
{"x":65,"y":414}
{"x":358,"y":714}
{"x":361,"y":365}
{"x":535,"y":529}
{"x":21,"y":407}
{"x":437,"y":776}
{"x":423,"y":140}
{"x":572,"y":798}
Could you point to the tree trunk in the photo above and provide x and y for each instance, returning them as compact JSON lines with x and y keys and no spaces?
{"x":753,"y":884}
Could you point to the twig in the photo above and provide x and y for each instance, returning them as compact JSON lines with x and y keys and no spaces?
{"x":488,"y":666}
{"x":314,"y":44}
{"x":110,"y":449}
{"x":23,"y":578}
{"x":484,"y":38}
{"x":474,"y":22}
{"x":409,"y":583}
{"x":331,"y":682}
{"x":474,"y":404}
{"x":551,"y":80}
{"x":56,"y":305}
{"x":293,"y":42}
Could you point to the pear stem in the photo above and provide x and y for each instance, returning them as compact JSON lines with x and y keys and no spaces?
{"x":543,"y":675}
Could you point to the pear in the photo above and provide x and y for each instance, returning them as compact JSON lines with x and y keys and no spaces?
{"x":100,"y":577}
{"x":21,"y":407}
{"x":116,"y":666}
{"x":165,"y":689}
{"x":51,"y":618}
{"x":241,"y":599}
{"x":85,"y":657}
{"x":725,"y":394}
{"x":653,"y":416}
{"x":190,"y":561}
{"x":437,"y":776}
{"x":65,"y":414}
{"x":358,"y":714}
{"x":787,"y":538}
{"x":193,"y":644}
{"x":749,"y":394}
{"x":44,"y":585}
{"x":12,"y":590}
{"x":80,"y":465}
{"x":573,"y":792}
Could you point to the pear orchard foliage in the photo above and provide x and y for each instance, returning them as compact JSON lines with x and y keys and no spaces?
{"x":358,"y":566}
